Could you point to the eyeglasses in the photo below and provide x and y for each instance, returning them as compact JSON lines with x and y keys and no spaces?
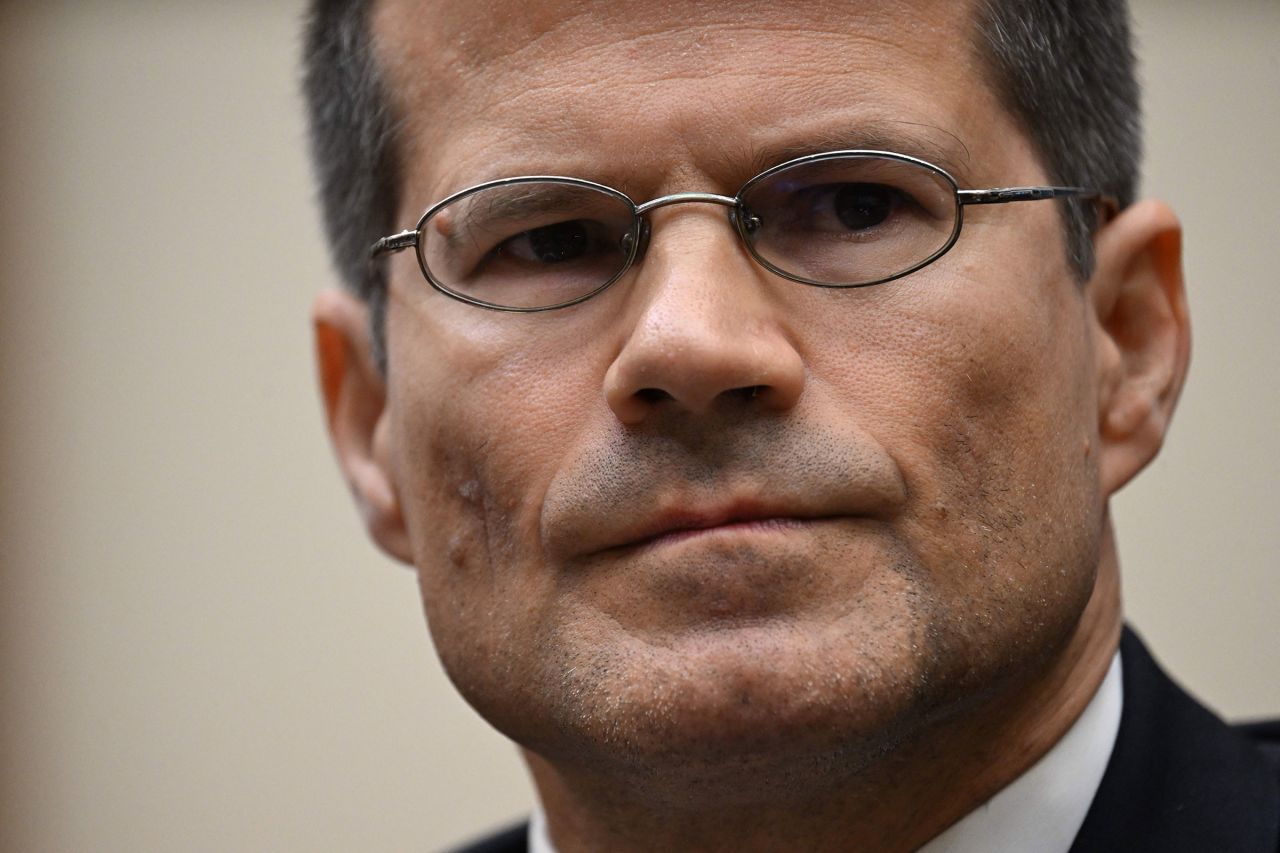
{"x":838,"y":219}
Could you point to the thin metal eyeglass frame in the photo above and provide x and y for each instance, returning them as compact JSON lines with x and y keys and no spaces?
{"x":639,"y":230}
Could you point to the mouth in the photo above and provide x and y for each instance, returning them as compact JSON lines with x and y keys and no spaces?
{"x":615,"y":503}
{"x":674,"y":527}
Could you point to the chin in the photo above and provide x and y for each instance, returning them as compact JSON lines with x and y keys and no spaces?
{"x":772,"y":700}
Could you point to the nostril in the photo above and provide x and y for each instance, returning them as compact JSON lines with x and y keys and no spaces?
{"x":653,"y":395}
{"x":750,"y":392}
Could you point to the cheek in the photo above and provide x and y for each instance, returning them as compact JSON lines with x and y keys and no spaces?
{"x":475,"y":446}
{"x":945,"y":375}
{"x":982,"y":392}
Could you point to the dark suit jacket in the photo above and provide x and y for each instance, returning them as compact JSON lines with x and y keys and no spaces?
{"x":1179,"y":780}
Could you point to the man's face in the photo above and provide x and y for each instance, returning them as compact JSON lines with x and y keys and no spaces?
{"x":712,"y":512}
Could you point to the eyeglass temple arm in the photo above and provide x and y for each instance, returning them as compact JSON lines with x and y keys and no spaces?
{"x":1003,"y":195}
{"x":394,"y":243}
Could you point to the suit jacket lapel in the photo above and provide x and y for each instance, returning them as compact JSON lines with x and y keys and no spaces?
{"x":1179,"y":778}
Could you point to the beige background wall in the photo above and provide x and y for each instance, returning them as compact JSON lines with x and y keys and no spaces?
{"x":200,"y":651}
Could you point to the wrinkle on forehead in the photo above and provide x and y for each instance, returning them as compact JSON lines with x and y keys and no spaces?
{"x":480,"y":31}
{"x":430,"y":45}
{"x":550,"y":74}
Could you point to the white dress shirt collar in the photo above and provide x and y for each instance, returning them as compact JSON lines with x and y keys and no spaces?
{"x":1044,"y":808}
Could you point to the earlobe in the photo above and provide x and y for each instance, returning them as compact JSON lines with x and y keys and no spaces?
{"x":1143,"y":337}
{"x":354,"y":396}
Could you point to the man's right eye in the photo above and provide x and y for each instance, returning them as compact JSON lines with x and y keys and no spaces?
{"x":549,"y":244}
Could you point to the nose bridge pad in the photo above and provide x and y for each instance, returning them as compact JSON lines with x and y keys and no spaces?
{"x":745,"y":223}
{"x":643,"y":238}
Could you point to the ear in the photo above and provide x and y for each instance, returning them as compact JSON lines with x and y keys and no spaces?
{"x":355,"y":397}
{"x":1144,"y":336}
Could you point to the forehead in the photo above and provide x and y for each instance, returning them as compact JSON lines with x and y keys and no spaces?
{"x":486,"y":88}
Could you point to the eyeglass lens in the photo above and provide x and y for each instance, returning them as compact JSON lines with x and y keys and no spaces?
{"x":841,"y":221}
{"x":850,"y":220}
{"x":531,"y":244}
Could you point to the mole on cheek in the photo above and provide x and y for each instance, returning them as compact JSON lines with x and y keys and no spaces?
{"x":443,"y":223}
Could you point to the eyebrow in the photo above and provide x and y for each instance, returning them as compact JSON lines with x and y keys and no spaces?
{"x":900,"y":137}
{"x":927,"y":142}
{"x":519,"y":201}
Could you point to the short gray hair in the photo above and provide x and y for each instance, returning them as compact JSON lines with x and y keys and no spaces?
{"x":353,"y":146}
{"x":1065,"y":70}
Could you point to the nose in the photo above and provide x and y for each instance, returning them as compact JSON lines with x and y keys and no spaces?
{"x":706,"y":331}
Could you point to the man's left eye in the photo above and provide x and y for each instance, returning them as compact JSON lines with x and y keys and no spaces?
{"x":863,"y":206}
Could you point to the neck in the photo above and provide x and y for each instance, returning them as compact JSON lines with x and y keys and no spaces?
{"x":898,"y":801}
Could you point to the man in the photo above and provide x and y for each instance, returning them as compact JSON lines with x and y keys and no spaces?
{"x":752,"y":443}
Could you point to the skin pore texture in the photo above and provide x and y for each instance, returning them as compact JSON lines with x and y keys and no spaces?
{"x":740,"y":563}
